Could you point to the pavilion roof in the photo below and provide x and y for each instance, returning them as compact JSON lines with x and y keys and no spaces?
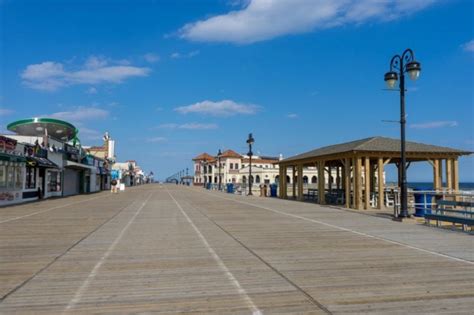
{"x":203,"y":157}
{"x":230,"y":154}
{"x":375,"y":144}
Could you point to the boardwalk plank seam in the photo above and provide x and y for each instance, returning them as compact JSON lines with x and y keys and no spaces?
{"x":310,"y":298}
{"x":235,"y":282}
{"x":61,"y":255}
{"x":349,"y":230}
{"x":78,"y":295}
{"x":50,"y":209}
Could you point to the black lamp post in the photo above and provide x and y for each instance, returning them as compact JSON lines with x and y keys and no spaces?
{"x":399,"y":65}
{"x":250,"y":141}
{"x":219,"y":164}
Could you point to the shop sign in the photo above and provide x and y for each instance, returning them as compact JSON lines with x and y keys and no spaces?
{"x":7,"y":144}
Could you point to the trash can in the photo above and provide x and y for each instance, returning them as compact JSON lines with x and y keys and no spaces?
{"x":230,"y":188}
{"x":273,"y":190}
{"x":422,"y":203}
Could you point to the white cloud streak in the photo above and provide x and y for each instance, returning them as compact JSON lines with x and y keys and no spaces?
{"x":189,"y":126}
{"x":151,"y":57}
{"x":81,"y":113}
{"x":156,"y":139}
{"x":177,"y":55}
{"x":292,"y":116}
{"x":222,"y":108}
{"x":51,"y":76}
{"x":435,"y":124}
{"x":469,"y":46}
{"x":266,"y":19}
{"x":5,"y":111}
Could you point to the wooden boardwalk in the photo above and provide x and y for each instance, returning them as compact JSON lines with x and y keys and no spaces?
{"x":172,"y":249}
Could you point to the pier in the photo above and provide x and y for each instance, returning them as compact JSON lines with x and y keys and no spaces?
{"x":179,"y":249}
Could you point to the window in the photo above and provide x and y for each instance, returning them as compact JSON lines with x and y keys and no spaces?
{"x":236,"y":166}
{"x":231,"y":166}
{"x":18,"y":178}
{"x":3,"y":176}
{"x":257,"y":179}
{"x":30,"y":178}
{"x":11,"y":176}
{"x":54,"y":181}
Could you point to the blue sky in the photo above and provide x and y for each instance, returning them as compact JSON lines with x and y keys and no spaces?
{"x":172,"y":79}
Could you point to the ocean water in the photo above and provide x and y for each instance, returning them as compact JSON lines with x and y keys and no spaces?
{"x":429,"y":186}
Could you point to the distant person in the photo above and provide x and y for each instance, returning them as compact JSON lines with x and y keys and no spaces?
{"x":114,"y":186}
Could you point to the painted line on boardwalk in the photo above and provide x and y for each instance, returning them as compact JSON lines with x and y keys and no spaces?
{"x":230,"y":276}
{"x":46,"y":210}
{"x":78,"y":296}
{"x":349,"y":230}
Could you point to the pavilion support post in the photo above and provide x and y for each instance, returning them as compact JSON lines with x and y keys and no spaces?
{"x":281,"y":181}
{"x":367,"y":183}
{"x":455,"y":174}
{"x":436,"y":180}
{"x":347,"y":182}
{"x":358,"y":183}
{"x":321,"y":183}
{"x":300,"y":181}
{"x":354,"y":183}
{"x":338,"y":178}
{"x":449,"y":174}
{"x":440,"y":174}
{"x":293,"y":179}
{"x":381,"y":188}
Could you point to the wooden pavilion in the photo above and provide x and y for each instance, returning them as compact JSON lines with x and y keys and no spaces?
{"x":359,"y":164}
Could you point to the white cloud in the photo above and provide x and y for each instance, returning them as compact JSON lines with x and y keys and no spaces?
{"x":91,"y":90}
{"x":261,"y":20}
{"x":222,"y":108}
{"x":156,"y":139}
{"x":292,"y":116}
{"x":469,"y":46}
{"x":151,"y":57}
{"x":81,"y":113}
{"x":88,"y":134}
{"x":177,"y":55}
{"x":435,"y":124}
{"x":50,"y":76}
{"x":5,"y":111}
{"x":189,"y":126}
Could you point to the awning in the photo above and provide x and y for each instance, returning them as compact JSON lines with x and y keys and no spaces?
{"x":40,"y":162}
{"x":75,"y":165}
{"x":11,"y":158}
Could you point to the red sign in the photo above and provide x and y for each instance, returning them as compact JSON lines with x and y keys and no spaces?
{"x":7,"y":143}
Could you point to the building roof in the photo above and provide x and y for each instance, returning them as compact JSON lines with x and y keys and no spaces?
{"x":262,"y":160}
{"x":95,"y":148}
{"x":375,"y":144}
{"x":230,"y":154}
{"x":203,"y":157}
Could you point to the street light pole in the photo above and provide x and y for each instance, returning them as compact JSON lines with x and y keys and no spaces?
{"x":250,"y":141}
{"x":219,"y":163}
{"x":404,"y":64}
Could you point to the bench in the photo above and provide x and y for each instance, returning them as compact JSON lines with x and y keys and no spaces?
{"x":442,"y":214}
{"x":312,"y":194}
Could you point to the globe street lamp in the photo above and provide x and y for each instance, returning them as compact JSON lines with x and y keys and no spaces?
{"x":398,"y":67}
{"x":250,"y":141}
{"x":219,"y":154}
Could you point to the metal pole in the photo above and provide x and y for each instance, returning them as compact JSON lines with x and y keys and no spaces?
{"x":220,"y":179}
{"x":250,"y":169}
{"x":403,"y":172}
